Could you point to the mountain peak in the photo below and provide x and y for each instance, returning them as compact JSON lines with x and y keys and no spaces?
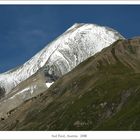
{"x":58,"y":58}
{"x":88,"y":39}
{"x":83,"y":27}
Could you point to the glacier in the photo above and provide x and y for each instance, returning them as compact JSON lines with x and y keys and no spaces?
{"x":59,"y":57}
{"x":63,"y":54}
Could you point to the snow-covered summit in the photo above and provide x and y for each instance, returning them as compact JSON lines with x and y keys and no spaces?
{"x":63,"y":54}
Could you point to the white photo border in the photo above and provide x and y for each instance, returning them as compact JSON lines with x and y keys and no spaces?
{"x":69,"y":135}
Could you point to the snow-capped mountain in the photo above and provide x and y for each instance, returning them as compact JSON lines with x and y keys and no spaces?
{"x":63,"y":54}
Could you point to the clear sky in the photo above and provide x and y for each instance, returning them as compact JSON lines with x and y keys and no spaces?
{"x":24,"y":30}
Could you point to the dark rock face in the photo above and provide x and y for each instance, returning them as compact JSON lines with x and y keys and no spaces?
{"x":2,"y":92}
{"x":53,"y":75}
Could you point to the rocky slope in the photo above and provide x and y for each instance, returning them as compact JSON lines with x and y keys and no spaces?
{"x":102,"y":93}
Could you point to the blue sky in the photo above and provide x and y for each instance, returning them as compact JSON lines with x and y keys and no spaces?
{"x":24,"y":30}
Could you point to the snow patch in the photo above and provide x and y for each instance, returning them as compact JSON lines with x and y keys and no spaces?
{"x":49,"y":84}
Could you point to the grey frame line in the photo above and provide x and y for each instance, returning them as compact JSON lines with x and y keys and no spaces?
{"x":70,"y":0}
{"x":69,"y":139}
